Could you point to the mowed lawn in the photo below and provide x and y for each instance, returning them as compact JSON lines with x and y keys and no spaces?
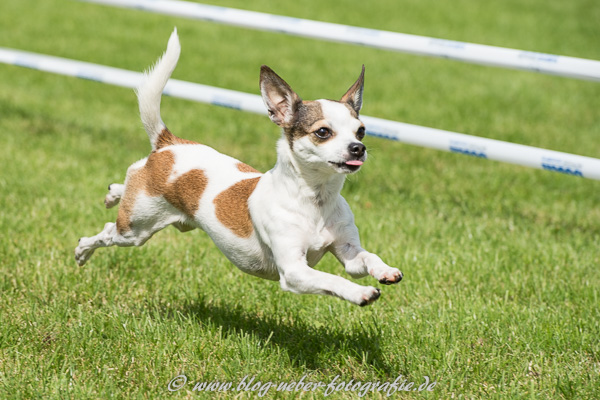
{"x":501,"y":290}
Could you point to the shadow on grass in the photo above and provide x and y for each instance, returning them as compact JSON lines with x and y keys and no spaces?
{"x":316,"y":348}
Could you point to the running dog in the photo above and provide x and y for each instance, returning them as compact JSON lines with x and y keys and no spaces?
{"x":275,"y":225}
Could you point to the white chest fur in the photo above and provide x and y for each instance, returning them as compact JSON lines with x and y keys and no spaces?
{"x":318,"y":245}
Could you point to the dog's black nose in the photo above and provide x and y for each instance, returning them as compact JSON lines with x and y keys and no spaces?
{"x":357,"y":149}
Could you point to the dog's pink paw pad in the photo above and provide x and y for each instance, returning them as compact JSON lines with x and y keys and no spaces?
{"x":370,"y":296}
{"x":391,"y":277}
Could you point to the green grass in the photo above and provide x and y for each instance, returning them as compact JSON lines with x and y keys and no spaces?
{"x":500,"y":296}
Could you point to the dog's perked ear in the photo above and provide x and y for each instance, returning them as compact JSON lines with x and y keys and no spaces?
{"x":353,"y":96}
{"x":281,"y":101}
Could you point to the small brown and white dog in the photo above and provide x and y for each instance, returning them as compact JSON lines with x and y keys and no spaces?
{"x":275,"y":225}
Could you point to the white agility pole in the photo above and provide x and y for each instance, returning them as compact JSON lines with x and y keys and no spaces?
{"x":572,"y":67}
{"x":491,"y":149}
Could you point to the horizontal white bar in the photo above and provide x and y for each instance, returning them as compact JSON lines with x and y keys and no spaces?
{"x":462,"y":51}
{"x":512,"y":153}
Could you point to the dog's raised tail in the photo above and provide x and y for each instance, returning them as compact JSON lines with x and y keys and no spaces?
{"x":150,"y":90}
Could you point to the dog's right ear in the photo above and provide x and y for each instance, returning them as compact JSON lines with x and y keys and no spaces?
{"x":281,"y":101}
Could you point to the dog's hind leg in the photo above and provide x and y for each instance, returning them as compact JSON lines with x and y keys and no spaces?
{"x":115,"y":192}
{"x":87,"y":245}
{"x":134,"y":226}
{"x":110,"y":236}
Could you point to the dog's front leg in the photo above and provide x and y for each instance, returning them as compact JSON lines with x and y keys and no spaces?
{"x":297,"y":277}
{"x":359,"y":262}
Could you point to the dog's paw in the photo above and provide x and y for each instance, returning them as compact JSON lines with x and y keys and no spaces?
{"x":113,"y":196}
{"x":390,"y":276}
{"x":387,"y":275}
{"x":110,"y":200}
{"x":115,"y":192}
{"x":82,"y":254}
{"x":369,"y":295}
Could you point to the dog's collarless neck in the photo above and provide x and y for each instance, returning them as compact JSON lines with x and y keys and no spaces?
{"x":321,"y":188}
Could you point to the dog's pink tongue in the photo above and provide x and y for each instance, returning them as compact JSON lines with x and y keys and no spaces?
{"x":354,"y":162}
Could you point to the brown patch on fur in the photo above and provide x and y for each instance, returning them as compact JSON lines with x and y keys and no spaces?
{"x":166,"y":138}
{"x":184,"y":194}
{"x":134,"y":184}
{"x":231,"y":207}
{"x":123,"y":220}
{"x":152,"y":179}
{"x":309,"y":112}
{"x":246,"y":168}
{"x":157,"y":171}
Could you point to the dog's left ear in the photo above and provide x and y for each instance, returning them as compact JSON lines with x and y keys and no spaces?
{"x":354,"y":95}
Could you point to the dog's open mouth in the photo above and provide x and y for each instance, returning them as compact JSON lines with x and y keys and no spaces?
{"x":351,"y":165}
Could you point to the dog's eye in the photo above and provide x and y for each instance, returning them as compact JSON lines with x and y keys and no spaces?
{"x":323,"y":133}
{"x":360,"y":133}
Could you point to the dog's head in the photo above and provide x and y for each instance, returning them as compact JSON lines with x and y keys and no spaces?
{"x":325,"y":134}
